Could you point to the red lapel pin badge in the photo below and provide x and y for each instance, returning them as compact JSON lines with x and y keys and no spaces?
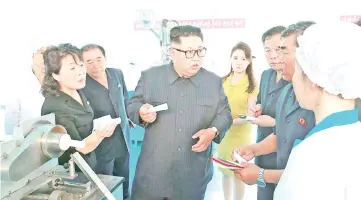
{"x":302,"y":121}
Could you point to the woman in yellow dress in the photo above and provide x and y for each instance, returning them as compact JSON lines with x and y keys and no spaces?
{"x":241,"y":89}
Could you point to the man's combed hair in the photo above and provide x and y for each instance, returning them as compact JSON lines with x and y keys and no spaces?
{"x":297,"y":28}
{"x":272,"y":31}
{"x":184,"y":31}
{"x":91,"y":47}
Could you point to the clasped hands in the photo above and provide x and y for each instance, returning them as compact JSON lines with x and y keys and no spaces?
{"x":249,"y":173}
{"x":205,"y":136}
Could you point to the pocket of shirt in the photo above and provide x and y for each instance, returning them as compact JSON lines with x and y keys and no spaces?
{"x":157,"y":99}
{"x":206,"y":103}
{"x":206,"y":108}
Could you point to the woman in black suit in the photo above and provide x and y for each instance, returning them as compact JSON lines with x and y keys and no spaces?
{"x":65,"y":76}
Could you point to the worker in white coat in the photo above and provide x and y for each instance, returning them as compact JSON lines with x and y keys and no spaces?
{"x":326,"y":164}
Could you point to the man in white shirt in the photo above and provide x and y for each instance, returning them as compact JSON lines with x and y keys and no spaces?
{"x":28,"y":101}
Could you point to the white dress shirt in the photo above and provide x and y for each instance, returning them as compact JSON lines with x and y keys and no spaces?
{"x":26,"y":104}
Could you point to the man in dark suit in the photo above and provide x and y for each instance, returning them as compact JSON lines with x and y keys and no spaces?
{"x":174,"y":162}
{"x":107,"y":94}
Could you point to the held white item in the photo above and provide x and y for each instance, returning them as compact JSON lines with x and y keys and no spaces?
{"x":239,"y":158}
{"x":247,"y":118}
{"x":99,"y":122}
{"x":250,"y":118}
{"x":117,"y":120}
{"x":104,"y":121}
{"x":160,"y":108}
{"x":66,"y":142}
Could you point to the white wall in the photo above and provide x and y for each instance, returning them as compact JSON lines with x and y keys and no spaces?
{"x":26,"y":25}
{"x":259,"y":15}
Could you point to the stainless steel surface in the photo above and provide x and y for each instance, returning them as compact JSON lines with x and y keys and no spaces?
{"x":22,"y":150}
{"x":89,"y":173}
{"x":51,"y":140}
{"x":36,"y":197}
{"x":28,"y":126}
{"x":30,"y":171}
{"x":74,"y":185}
{"x":36,"y":180}
{"x":71,"y":167}
{"x":57,"y":195}
{"x":113,"y":183}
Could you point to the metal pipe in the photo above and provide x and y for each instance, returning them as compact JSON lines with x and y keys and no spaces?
{"x":72,"y":185}
{"x":71,"y":168}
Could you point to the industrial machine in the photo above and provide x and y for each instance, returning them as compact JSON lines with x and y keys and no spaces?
{"x":30,"y":170}
{"x":146,"y":17}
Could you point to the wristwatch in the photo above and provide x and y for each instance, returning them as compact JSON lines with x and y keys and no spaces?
{"x":260,"y":180}
{"x":215,"y":130}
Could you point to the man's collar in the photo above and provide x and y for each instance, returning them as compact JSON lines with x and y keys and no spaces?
{"x":172,"y":75}
{"x":109,"y":76}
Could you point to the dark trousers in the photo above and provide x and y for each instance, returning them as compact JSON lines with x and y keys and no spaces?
{"x":267,"y":162}
{"x":266,"y":193}
{"x":142,"y":193}
{"x":139,"y":194}
{"x":115,"y":167}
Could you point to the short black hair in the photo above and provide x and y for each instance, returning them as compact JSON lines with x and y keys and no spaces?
{"x":184,"y":31}
{"x":272,"y":31}
{"x":90,"y":47}
{"x":297,"y":28}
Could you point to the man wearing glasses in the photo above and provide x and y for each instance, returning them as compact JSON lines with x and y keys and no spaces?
{"x":174,"y":161}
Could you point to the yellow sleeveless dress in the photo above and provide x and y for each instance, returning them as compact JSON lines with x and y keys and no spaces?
{"x":237,"y":134}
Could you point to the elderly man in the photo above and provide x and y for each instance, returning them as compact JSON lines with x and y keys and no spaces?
{"x":270,"y":90}
{"x":107,"y":94}
{"x":174,"y":161}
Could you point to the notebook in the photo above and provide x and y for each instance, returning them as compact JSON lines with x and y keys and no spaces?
{"x":226,"y":163}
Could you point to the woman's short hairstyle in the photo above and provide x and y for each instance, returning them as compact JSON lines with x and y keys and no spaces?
{"x":52,"y":59}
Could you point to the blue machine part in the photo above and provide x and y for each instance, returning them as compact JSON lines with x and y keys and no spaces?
{"x":136,"y":138}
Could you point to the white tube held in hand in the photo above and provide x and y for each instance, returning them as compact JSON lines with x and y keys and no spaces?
{"x":160,"y":108}
{"x":66,"y":142}
{"x":117,"y":120}
{"x":77,"y":144}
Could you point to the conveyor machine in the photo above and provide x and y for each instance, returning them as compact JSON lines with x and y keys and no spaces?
{"x":30,"y":170}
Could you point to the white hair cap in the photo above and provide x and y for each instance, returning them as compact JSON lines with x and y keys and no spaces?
{"x":330,"y":55}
